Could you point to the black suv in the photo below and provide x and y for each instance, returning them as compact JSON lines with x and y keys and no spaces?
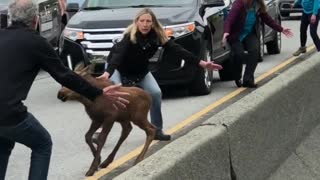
{"x":49,"y":13}
{"x":195,"y":24}
{"x":285,"y":8}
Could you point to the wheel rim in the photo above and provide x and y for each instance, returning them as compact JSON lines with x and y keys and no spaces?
{"x":279,"y":40}
{"x":261,"y":45}
{"x":207,"y":72}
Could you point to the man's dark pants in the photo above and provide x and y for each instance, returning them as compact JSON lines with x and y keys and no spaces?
{"x":33,"y":135}
{"x":251,"y":58}
{"x":305,"y":22}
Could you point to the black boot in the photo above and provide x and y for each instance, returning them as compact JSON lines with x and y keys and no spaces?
{"x":161,"y":137}
{"x":238,"y":82}
{"x":249,"y":84}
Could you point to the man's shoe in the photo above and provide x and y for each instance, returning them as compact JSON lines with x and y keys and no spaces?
{"x":238,"y":82}
{"x":249,"y":85}
{"x":300,"y":51}
{"x":161,"y":137}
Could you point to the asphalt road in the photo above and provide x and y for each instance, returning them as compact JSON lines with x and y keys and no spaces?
{"x":67,"y":122}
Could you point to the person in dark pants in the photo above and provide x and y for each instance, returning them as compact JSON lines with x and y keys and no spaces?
{"x":129,"y":60}
{"x":23,"y":52}
{"x":310,"y":15}
{"x":241,"y":30}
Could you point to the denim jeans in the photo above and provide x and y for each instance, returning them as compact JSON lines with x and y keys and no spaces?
{"x":33,"y":135}
{"x":149,"y":84}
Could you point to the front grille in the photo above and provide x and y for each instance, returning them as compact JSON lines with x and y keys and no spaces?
{"x":99,"y":42}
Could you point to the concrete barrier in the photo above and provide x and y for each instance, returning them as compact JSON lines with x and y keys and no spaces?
{"x":261,"y":131}
{"x":201,"y":154}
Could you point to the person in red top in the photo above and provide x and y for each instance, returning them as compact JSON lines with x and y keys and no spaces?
{"x":241,"y":32}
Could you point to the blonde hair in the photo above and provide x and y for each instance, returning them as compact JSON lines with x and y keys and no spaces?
{"x":132,"y":29}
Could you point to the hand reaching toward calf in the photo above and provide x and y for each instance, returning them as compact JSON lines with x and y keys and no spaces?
{"x":117,"y":97}
{"x":210,"y":65}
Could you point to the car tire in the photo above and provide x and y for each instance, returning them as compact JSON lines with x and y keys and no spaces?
{"x":274,"y":46}
{"x":284,"y":14}
{"x":202,"y":83}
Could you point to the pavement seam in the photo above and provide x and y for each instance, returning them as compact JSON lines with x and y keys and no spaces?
{"x":232,"y":172}
{"x":305,"y":164}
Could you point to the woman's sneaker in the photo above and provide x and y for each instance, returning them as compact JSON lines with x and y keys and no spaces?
{"x":300,"y":51}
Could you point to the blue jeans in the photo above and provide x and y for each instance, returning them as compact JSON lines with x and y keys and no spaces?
{"x":149,"y":84}
{"x":32,"y":134}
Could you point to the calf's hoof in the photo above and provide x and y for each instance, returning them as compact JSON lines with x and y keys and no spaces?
{"x":90,"y":172}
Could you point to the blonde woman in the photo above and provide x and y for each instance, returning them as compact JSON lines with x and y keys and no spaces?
{"x":129,"y":59}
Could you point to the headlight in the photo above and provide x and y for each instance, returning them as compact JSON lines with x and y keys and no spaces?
{"x":73,"y":34}
{"x":179,"y":30}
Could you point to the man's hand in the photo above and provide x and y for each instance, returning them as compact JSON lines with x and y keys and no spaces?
{"x":210,"y":65}
{"x":313,"y":19}
{"x":118,"y":97}
{"x":287,"y":33}
{"x":104,"y":76}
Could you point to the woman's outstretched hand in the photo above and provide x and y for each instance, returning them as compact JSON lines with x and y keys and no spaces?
{"x":104,"y":76}
{"x":210,"y":65}
{"x":287,"y":32}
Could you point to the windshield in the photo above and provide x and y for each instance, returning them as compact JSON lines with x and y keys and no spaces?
{"x":141,"y":3}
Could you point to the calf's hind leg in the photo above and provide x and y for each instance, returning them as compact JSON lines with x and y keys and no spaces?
{"x":150,"y":131}
{"x":126,"y":129}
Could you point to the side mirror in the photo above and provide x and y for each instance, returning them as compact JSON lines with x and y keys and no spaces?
{"x":212,"y":3}
{"x":72,"y":7}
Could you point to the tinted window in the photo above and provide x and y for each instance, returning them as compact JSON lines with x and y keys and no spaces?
{"x":115,"y":3}
{"x":5,"y":2}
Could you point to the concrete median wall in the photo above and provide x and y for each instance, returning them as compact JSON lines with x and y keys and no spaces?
{"x":249,"y":139}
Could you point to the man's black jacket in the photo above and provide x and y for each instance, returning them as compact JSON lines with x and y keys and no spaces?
{"x":22,"y":54}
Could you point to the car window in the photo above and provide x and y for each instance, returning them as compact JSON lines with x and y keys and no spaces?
{"x":115,"y":3}
{"x":5,"y":2}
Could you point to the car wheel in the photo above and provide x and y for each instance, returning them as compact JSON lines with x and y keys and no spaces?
{"x":285,"y":14}
{"x":202,"y":83}
{"x":274,"y":46}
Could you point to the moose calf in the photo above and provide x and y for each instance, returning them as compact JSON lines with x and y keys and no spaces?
{"x":103,"y":114}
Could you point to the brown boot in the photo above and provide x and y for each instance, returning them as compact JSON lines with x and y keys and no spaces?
{"x":300,"y":51}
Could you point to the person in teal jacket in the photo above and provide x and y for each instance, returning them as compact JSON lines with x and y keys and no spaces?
{"x":310,"y":15}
